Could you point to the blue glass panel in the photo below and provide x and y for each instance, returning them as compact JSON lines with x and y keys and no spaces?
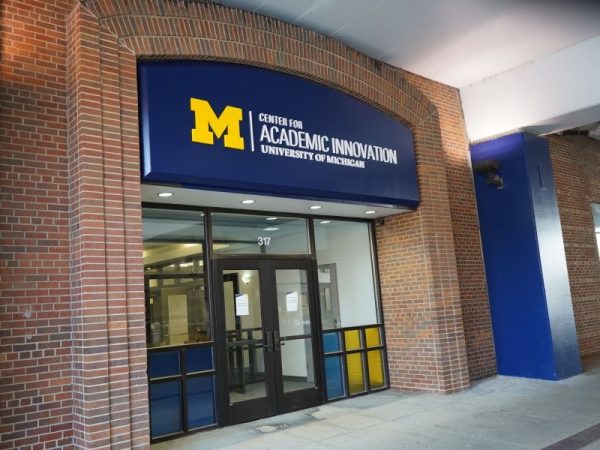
{"x":198,"y":359}
{"x":165,"y":408}
{"x":334,"y":377}
{"x":201,"y":401}
{"x":163,"y":364}
{"x":331,"y":342}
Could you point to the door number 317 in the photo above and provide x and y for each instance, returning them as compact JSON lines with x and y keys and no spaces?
{"x":264,"y":240}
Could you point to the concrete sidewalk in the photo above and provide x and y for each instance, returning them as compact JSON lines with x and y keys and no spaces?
{"x":496,"y":413}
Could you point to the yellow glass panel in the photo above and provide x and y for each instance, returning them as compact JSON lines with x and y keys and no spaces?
{"x":352,"y":338}
{"x":372,"y":337}
{"x":356,"y":381}
{"x":375,"y":362}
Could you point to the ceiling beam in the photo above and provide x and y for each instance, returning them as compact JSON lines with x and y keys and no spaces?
{"x":550,"y":94}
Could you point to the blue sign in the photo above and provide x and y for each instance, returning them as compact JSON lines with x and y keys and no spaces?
{"x":239,"y":128}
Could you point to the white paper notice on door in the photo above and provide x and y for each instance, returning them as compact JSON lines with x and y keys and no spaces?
{"x":241,"y":305}
{"x":291,"y":301}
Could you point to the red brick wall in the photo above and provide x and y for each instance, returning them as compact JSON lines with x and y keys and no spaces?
{"x":72,"y":250}
{"x":35,"y":311}
{"x":576,"y":166}
{"x":110,"y":404}
{"x":465,"y":225}
{"x":419,"y":281}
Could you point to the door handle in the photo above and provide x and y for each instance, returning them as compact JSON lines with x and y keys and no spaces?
{"x":269,"y":346}
{"x":277,"y":342}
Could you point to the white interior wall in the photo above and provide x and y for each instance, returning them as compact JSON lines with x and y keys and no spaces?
{"x":350,"y":250}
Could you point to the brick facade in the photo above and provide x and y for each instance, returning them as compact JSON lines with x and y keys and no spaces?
{"x":465,"y":225}
{"x":576,"y":166}
{"x":36,"y":400}
{"x":73,"y":339}
{"x":107,"y":289}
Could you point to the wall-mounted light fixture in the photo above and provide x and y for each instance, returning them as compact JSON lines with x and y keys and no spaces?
{"x":490,"y":167}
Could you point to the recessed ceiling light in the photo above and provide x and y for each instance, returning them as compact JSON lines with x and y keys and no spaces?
{"x":165,"y":194}
{"x":325,"y":222}
{"x":371,"y":211}
{"x":315,"y":207}
{"x":271,"y":218}
{"x":271,"y":229}
{"x":247,"y":202}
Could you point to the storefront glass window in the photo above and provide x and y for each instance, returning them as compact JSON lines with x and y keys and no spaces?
{"x":346,"y":278}
{"x":596,"y":213}
{"x":354,"y":355}
{"x":179,"y":331}
{"x":182,"y":373}
{"x":177,"y":310}
{"x":249,"y":234}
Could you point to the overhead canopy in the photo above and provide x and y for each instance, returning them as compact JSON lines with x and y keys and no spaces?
{"x":518,"y":63}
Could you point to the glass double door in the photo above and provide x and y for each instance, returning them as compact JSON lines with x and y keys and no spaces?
{"x":268,"y":361}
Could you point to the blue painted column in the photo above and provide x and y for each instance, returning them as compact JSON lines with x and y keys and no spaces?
{"x":525,"y":262}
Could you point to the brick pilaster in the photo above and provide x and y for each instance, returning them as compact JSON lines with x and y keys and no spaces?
{"x":419,"y":283}
{"x":472,"y":284}
{"x":110,"y":399}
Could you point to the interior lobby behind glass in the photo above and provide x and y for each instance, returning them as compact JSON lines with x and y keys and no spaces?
{"x":174,"y":277}
{"x":352,"y":340}
{"x":346,"y":278}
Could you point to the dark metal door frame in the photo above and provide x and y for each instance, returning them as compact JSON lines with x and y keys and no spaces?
{"x":276,"y":401}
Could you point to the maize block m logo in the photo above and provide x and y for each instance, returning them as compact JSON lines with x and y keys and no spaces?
{"x":208,"y":124}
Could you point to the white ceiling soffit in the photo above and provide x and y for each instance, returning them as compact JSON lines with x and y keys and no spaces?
{"x":506,"y":56}
{"x":228,"y":200}
{"x":554,"y":93}
{"x":595,"y":131}
{"x":455,"y":42}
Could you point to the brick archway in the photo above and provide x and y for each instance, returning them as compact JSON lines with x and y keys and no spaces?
{"x":105,"y":38}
